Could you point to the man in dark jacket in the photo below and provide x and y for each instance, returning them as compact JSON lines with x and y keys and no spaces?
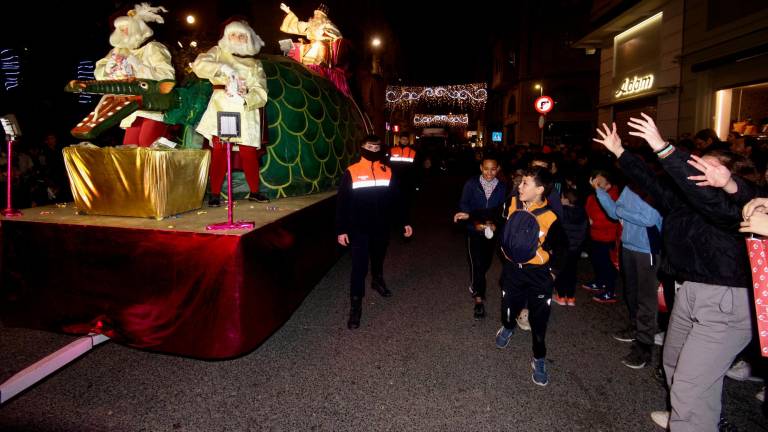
{"x":710,"y":321}
{"x":480,"y":206}
{"x":367,"y":203}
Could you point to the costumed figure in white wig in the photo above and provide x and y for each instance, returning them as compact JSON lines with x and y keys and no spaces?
{"x":239,"y":85}
{"x":319,"y":30}
{"x":134,"y":57}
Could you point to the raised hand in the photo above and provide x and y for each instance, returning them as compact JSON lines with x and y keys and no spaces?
{"x":646,"y":129}
{"x":610,"y":139}
{"x":715,"y":175}
{"x":407,"y":231}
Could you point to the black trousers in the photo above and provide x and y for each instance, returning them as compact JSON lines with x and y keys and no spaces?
{"x":532,"y":285}
{"x":480,"y":251}
{"x":641,"y":292}
{"x":605,"y":272}
{"x":566,"y":280}
{"x":367,"y":246}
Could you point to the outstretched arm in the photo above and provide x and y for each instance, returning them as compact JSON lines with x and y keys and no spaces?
{"x":634,"y":167}
{"x":710,"y":202}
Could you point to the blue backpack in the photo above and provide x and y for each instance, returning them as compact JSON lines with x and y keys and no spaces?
{"x":520,"y":238}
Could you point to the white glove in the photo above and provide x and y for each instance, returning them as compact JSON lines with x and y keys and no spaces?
{"x":132,"y":65}
{"x":227,"y":70}
{"x":488,"y":233}
{"x":232,"y":87}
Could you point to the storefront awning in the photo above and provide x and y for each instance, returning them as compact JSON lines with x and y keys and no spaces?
{"x":602,"y":36}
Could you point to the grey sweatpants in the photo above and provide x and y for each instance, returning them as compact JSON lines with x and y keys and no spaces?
{"x":709,"y":326}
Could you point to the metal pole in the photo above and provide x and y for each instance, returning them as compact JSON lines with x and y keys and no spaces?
{"x":230,"y":200}
{"x":8,"y":177}
{"x":9,"y":210}
{"x":541,"y":93}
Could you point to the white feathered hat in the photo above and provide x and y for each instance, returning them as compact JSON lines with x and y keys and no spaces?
{"x":139,"y":16}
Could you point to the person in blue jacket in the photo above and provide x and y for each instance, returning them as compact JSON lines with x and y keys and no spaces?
{"x":480,"y":206}
{"x":641,"y":225}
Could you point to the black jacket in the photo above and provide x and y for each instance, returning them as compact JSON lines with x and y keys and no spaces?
{"x":480,"y":208}
{"x":369,"y":209}
{"x":576,"y":226}
{"x":701,"y":242}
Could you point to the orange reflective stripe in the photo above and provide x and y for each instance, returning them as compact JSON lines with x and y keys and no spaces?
{"x":402,"y":154}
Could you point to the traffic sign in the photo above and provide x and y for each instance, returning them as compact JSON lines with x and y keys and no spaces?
{"x":544,"y":104}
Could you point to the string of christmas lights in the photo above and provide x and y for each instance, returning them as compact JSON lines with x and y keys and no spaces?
{"x":450,"y":120}
{"x":471,"y":96}
{"x":85,"y":72}
{"x":11,"y":68}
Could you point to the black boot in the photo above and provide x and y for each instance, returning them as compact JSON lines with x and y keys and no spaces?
{"x":355,"y":311}
{"x":258,"y":197}
{"x":378,"y":285}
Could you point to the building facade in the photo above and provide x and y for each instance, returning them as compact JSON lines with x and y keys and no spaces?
{"x":690,"y":64}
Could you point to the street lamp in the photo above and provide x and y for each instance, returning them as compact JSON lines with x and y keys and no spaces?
{"x":190,"y":19}
{"x":540,"y":89}
{"x":376,"y":42}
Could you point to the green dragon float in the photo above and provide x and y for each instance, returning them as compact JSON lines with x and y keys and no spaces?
{"x":313,"y":128}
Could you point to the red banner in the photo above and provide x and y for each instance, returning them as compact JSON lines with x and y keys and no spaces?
{"x":757,"y":249}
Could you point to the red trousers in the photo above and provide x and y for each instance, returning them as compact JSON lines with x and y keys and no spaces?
{"x":143,"y":132}
{"x":249,"y":156}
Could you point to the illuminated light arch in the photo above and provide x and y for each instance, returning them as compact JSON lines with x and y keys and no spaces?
{"x":473,"y":96}
{"x":450,"y":120}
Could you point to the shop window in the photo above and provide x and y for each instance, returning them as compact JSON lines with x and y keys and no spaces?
{"x":743,"y":110}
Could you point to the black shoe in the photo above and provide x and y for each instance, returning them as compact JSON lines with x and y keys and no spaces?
{"x":725,"y":426}
{"x":479,"y":311}
{"x":626,"y":335}
{"x":355,"y":312}
{"x":214,"y":202}
{"x":378,"y":285}
{"x":638,"y":357}
{"x":258,"y":198}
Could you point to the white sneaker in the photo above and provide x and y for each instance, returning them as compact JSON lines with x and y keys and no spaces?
{"x":522,"y":320}
{"x":761,"y":394}
{"x":661,"y":418}
{"x":658,"y":338}
{"x":741,"y":371}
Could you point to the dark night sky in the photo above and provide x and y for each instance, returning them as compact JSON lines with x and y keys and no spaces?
{"x":429,"y":40}
{"x":425,"y":42}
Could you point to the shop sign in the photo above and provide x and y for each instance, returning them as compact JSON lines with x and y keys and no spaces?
{"x":634,"y":85}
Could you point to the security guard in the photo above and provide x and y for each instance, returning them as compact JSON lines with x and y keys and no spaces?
{"x":367,"y":202}
{"x":402,"y":159}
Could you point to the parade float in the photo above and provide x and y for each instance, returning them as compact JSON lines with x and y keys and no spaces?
{"x":132,"y":259}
